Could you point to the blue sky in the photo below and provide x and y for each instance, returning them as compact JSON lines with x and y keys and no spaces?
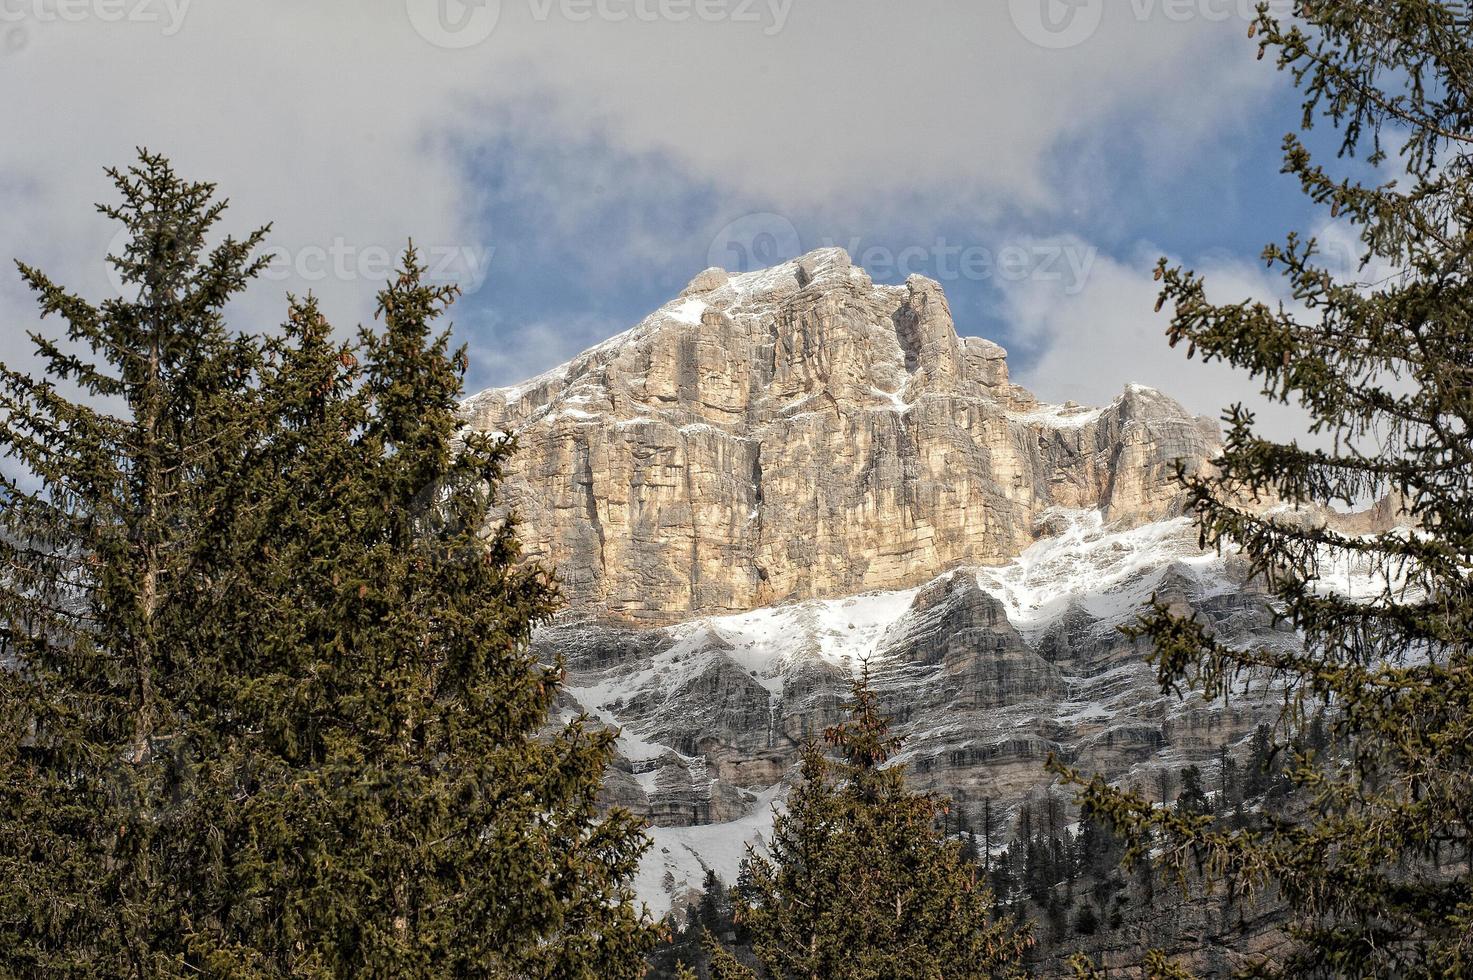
{"x":1222,"y":196}
{"x":575,"y":162}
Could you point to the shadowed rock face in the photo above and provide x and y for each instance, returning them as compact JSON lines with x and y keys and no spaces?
{"x":802,"y":432}
{"x":782,"y":475}
{"x":986,"y":671}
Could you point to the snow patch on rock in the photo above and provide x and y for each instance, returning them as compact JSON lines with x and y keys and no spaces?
{"x":676,"y":863}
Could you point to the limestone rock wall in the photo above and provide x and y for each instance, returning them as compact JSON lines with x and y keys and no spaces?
{"x":802,"y":432}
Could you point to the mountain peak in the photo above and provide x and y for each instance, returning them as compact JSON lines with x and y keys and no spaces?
{"x":817,"y":323}
{"x":831,"y":262}
{"x":799,"y":432}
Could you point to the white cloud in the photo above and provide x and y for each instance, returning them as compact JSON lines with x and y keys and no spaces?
{"x":1106,"y":335}
{"x":337,"y":117}
{"x":338,"y":121}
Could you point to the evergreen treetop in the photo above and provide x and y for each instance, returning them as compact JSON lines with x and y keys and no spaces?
{"x":1377,"y":873}
{"x":268,"y":705}
{"x":857,"y":882}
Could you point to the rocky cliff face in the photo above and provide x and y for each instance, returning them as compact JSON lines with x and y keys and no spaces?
{"x":780,"y":475}
{"x":800,"y":433}
{"x":986,"y":671}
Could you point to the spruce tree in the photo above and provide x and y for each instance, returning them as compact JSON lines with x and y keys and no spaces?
{"x":1376,"y":870}
{"x":1192,"y":800}
{"x":101,"y":498}
{"x":269,"y":706}
{"x":859,"y":883}
{"x":713,"y":912}
{"x":415,"y":820}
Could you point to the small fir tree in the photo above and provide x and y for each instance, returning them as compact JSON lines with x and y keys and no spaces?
{"x":859,"y":883}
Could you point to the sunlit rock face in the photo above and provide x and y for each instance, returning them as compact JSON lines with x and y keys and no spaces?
{"x":802,"y":432}
{"x":781,"y":476}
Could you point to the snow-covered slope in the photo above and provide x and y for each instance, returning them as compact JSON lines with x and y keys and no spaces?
{"x":987,"y":669}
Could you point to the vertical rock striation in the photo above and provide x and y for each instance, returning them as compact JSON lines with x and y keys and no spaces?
{"x":802,"y":432}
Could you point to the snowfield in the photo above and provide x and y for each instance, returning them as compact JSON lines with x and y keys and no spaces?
{"x":1086,"y":565}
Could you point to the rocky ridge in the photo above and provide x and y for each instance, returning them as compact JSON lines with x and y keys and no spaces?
{"x":782,"y":474}
{"x":802,"y":432}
